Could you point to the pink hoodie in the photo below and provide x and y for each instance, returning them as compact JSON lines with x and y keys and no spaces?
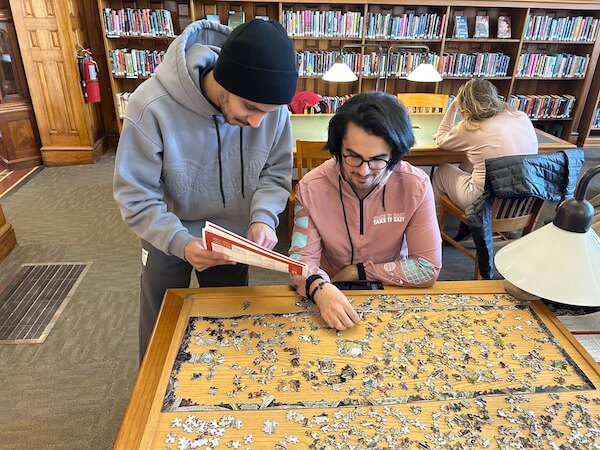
{"x":393,"y":231}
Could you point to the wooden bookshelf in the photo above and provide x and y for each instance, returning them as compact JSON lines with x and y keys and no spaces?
{"x":588,"y":134}
{"x":184,"y":12}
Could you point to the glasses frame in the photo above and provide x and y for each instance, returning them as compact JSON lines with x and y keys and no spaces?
{"x":368,"y":161}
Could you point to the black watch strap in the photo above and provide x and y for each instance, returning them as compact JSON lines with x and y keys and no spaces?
{"x":310,"y":280}
{"x":362,"y":274}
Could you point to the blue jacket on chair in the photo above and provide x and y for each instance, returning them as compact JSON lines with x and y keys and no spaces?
{"x":550,"y":177}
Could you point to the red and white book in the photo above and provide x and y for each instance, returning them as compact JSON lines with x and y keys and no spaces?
{"x":242,"y":250}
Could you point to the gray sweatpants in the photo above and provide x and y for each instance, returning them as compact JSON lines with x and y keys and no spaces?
{"x":161,"y":272}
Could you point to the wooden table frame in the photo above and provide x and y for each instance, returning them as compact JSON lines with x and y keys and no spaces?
{"x":432,"y":155}
{"x":144,"y":407}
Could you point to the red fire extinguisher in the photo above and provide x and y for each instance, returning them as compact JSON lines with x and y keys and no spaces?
{"x":88,"y":70}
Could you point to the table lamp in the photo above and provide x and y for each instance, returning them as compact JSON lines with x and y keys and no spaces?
{"x":423,"y":73}
{"x":339,"y":72}
{"x":561,"y":260}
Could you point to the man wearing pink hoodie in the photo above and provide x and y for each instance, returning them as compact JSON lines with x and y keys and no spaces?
{"x":365,"y":214}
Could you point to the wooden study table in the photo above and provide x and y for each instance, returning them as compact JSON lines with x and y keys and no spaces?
{"x":425,"y":152}
{"x":459,"y":364}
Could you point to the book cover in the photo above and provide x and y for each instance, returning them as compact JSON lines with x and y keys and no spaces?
{"x":245,"y":251}
{"x":504,"y":31}
{"x":236,"y":18}
{"x":213,"y":18}
{"x":461,"y":31}
{"x":482,"y":27}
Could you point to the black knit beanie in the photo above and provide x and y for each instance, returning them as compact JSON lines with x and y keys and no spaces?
{"x":257,"y":62}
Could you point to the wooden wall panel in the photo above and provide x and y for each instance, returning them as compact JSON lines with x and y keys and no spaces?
{"x":49,"y":31}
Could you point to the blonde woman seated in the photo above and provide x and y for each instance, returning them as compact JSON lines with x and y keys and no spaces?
{"x":489,"y":128}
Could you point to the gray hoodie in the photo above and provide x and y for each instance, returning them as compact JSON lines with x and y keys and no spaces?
{"x":179,"y":163}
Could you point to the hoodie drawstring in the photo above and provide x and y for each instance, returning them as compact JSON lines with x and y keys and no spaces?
{"x":346,"y":221}
{"x":383,"y":198}
{"x":220,"y":162}
{"x":242,"y":159}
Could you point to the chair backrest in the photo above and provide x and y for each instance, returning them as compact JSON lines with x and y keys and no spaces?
{"x":509,"y":214}
{"x":421,"y":103}
{"x":309,"y":155}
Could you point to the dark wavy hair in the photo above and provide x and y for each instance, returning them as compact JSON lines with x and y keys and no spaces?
{"x":377,"y":113}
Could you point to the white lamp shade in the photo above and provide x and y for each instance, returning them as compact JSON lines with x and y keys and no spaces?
{"x":554,"y":264}
{"x":340,"y":73}
{"x":424,"y":73}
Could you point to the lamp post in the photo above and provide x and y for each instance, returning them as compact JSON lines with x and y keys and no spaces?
{"x":423,"y":73}
{"x":561,"y":260}
{"x":340,"y":72}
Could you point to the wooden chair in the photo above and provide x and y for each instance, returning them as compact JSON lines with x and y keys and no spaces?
{"x":508,"y":215}
{"x":309,"y":155}
{"x":421,"y":103}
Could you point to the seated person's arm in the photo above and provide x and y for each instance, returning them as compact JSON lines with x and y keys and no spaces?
{"x":450,"y":137}
{"x":306,"y":247}
{"x":422,"y":267}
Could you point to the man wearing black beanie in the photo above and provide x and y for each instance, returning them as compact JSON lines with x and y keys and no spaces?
{"x":207,"y":138}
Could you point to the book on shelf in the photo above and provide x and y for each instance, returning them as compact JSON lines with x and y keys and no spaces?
{"x":504,"y":30}
{"x":265,"y":18}
{"x":596,"y":119}
{"x":548,"y":106}
{"x":213,"y":18}
{"x":133,"y":63}
{"x":236,"y":18}
{"x":461,"y":30}
{"x":244,"y":251}
{"x":547,"y":28}
{"x":314,"y":23}
{"x":474,"y":64}
{"x":554,"y":65}
{"x":138,"y":22}
{"x":122,"y":101}
{"x":384,"y":25}
{"x":482,"y":27}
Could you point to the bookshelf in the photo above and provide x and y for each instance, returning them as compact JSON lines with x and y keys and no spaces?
{"x":548,"y":30}
{"x":589,"y":128}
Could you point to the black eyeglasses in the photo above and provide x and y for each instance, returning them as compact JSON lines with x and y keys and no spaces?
{"x":357,"y":161}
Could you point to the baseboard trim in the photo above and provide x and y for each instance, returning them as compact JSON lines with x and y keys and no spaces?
{"x":73,"y":155}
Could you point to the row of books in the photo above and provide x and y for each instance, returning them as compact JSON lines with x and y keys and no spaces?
{"x":311,"y":23}
{"x":474,"y":64}
{"x":544,"y":106}
{"x":596,"y":119}
{"x":122,"y":99}
{"x":317,"y":63}
{"x":547,"y":28}
{"x":138,"y":22}
{"x":135,"y":63}
{"x":556,"y":65}
{"x":406,"y":26}
{"x":402,"y":63}
{"x":327,"y":104}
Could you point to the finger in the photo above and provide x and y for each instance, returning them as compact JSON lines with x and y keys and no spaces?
{"x":352,"y":314}
{"x":346,"y":321}
{"x":338,"y":325}
{"x":208,"y":254}
{"x":327,"y":319}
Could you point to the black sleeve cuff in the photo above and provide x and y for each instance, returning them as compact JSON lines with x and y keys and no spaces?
{"x":310,"y":281}
{"x":362,"y":274}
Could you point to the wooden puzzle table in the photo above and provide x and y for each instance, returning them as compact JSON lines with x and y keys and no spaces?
{"x":458,"y":364}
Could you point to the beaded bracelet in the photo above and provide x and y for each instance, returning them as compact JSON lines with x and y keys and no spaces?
{"x":317,"y":288}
